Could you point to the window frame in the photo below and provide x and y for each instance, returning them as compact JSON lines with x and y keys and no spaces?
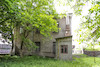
{"x":63,"y":48}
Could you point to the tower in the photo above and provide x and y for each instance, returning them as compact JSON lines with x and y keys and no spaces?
{"x":68,"y":24}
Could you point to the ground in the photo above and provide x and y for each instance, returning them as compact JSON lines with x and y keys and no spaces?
{"x":36,"y":61}
{"x":91,"y":49}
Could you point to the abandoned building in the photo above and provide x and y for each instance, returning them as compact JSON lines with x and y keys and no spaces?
{"x":60,"y":46}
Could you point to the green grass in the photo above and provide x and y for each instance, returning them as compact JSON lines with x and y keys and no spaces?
{"x":36,"y":61}
{"x":96,"y":48}
{"x":90,"y":49}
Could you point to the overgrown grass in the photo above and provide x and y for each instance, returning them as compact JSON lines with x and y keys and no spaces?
{"x":36,"y":61}
{"x":91,"y":49}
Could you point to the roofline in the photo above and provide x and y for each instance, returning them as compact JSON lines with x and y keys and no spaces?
{"x":63,"y":37}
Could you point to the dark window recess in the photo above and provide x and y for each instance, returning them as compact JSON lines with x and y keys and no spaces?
{"x":57,"y":26}
{"x":37,"y":31}
{"x":54,"y":47}
{"x":38,"y":45}
{"x":64,"y":48}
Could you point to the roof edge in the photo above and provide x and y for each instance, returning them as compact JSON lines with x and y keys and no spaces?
{"x":63,"y":37}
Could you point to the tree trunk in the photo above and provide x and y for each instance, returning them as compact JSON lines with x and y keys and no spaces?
{"x":17,"y":51}
{"x":21,"y":49}
{"x":21,"y":53}
{"x":13,"y":48}
{"x":94,"y":54}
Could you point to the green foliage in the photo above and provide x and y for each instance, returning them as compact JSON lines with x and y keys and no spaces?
{"x":28,"y":15}
{"x":89,"y":29}
{"x":90,"y":48}
{"x":5,"y":16}
{"x":38,"y":15}
{"x":36,"y":61}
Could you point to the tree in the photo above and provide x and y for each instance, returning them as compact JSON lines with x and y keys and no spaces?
{"x":89,"y":28}
{"x":8,"y":12}
{"x":27,"y":16}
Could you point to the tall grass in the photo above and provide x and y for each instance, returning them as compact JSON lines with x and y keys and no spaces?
{"x":36,"y":61}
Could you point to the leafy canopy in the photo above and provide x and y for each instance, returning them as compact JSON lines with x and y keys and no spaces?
{"x":90,"y":27}
{"x":28,"y":15}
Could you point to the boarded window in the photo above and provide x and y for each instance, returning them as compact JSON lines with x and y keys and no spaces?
{"x":38,"y":45}
{"x":64,"y":48}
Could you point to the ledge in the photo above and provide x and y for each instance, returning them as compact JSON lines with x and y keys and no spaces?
{"x":63,"y":37}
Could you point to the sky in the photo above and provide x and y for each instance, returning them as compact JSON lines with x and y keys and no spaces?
{"x":76,"y":20}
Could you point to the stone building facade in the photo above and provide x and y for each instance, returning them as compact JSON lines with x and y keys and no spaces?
{"x":49,"y":47}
